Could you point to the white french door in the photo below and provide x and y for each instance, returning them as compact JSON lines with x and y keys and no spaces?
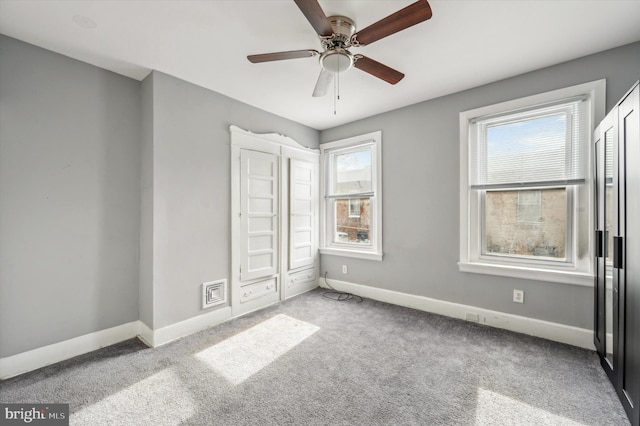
{"x":259,"y":182}
{"x":302,"y":206}
{"x":274,"y":193}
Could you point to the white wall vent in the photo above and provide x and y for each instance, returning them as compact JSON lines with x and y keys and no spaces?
{"x":214,"y":293}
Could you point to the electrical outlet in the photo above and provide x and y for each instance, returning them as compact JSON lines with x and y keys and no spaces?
{"x":518,"y":296}
{"x":471,"y":316}
{"x":344,"y":269}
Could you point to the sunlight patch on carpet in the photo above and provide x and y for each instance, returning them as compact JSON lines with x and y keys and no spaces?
{"x":243,"y":355}
{"x":496,"y":409}
{"x":160,"y":399}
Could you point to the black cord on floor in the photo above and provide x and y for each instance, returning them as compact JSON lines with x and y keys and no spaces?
{"x":339,"y":296}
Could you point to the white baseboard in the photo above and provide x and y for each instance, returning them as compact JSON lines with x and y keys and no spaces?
{"x":161,"y":336}
{"x":145,"y":334}
{"x":575,"y":336}
{"x":40,"y":357}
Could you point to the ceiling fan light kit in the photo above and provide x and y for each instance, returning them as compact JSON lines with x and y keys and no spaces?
{"x":338,"y":33}
{"x":336,"y":60}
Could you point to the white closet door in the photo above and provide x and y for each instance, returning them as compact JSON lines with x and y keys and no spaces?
{"x":258,"y":214}
{"x":302,"y":206}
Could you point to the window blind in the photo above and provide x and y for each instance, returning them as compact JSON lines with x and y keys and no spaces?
{"x":543,"y":146}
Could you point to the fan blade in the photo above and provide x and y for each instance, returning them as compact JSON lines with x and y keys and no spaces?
{"x":324,"y":80}
{"x":377,"y":69}
{"x":404,"y":18}
{"x":315,"y":15}
{"x":279,"y":56}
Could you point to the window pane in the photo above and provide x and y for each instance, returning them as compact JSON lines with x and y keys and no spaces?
{"x":352,"y":228}
{"x":527,"y":150}
{"x":352,"y":172}
{"x":526,"y":223}
{"x":529,"y":206}
{"x":354,"y":207}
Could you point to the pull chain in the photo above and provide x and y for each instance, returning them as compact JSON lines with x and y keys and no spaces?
{"x":338,"y":97}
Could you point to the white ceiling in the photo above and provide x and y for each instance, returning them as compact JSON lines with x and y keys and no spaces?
{"x":465,"y":44}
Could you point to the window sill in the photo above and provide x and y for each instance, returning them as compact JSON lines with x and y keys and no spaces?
{"x":368,"y":255}
{"x":550,"y":275}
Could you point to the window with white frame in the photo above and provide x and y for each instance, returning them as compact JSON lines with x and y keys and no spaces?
{"x":525,"y":185}
{"x":352,"y":199}
{"x":354,"y":208}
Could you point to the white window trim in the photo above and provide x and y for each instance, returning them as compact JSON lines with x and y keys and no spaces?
{"x":375,"y":251}
{"x":581,"y":271}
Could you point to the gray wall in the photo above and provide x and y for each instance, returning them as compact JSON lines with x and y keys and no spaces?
{"x":420,"y":162}
{"x":69,"y":198}
{"x":145,"y":290}
{"x":189,"y":197}
{"x":114,"y":195}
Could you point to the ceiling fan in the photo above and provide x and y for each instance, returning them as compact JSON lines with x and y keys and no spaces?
{"x":338,"y":34}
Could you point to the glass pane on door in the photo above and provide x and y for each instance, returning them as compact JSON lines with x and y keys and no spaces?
{"x":608,"y":244}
